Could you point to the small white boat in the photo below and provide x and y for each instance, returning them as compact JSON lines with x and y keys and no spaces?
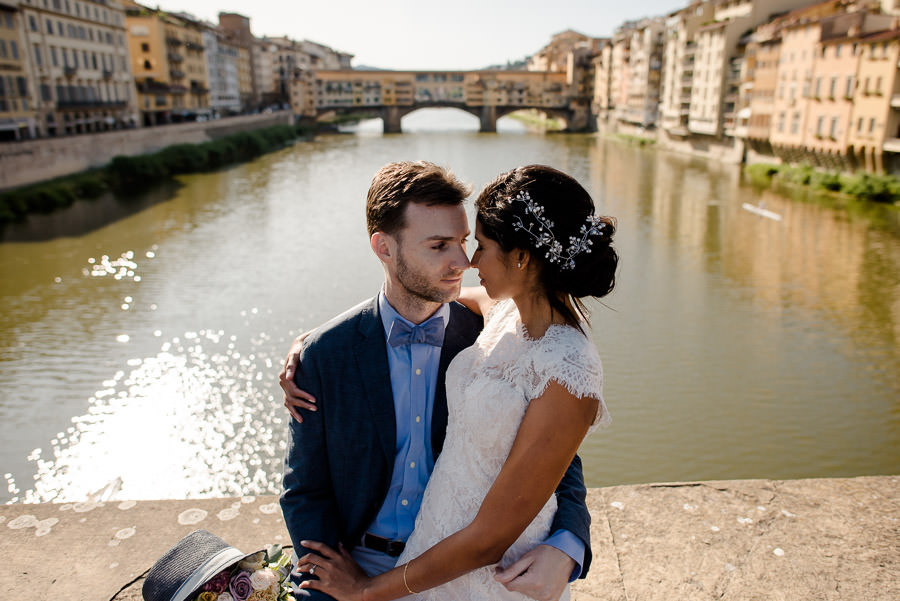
{"x":761,"y":211}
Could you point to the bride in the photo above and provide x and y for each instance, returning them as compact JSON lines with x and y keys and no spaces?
{"x":521,"y":399}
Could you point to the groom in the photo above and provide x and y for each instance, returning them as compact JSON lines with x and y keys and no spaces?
{"x":356,"y":468}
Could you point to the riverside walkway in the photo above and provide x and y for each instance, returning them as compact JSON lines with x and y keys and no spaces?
{"x":817,"y":539}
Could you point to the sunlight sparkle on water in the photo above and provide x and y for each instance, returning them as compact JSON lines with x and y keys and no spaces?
{"x":193,"y":421}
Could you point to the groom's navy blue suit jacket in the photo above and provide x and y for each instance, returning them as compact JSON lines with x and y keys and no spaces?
{"x":339,"y":461}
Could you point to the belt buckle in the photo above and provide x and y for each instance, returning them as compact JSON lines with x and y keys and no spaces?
{"x":394,"y":548}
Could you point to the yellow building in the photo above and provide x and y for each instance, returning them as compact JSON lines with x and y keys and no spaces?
{"x":169,"y":64}
{"x":77,"y":59}
{"x":17,"y":115}
{"x":763,"y":53}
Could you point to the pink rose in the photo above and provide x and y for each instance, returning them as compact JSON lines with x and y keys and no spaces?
{"x":218,"y":583}
{"x":240,"y":586}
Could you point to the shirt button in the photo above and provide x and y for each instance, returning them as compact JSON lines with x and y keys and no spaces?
{"x":418,"y":372}
{"x":412,"y":464}
{"x":418,"y":418}
{"x":404,"y":502}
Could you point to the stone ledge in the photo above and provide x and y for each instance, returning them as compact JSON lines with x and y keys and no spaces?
{"x":822,"y":539}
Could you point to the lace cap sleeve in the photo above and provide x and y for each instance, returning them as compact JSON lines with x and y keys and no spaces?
{"x":570,"y":358}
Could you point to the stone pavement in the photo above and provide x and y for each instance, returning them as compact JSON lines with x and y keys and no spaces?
{"x":822,"y":540}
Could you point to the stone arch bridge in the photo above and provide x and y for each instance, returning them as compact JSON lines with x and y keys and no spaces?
{"x":391,"y":95}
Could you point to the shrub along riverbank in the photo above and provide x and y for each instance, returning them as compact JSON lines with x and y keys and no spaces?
{"x":865,"y":186}
{"x":125,"y":173}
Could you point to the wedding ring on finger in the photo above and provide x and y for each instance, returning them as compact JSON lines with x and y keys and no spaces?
{"x":312,"y":570}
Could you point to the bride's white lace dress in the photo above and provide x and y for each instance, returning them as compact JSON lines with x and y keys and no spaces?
{"x":489,"y":386}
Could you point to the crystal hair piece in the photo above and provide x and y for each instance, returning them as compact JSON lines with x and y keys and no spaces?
{"x":541,"y":230}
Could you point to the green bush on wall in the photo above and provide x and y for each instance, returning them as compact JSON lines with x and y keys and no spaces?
{"x":866,"y":186}
{"x":125,"y":173}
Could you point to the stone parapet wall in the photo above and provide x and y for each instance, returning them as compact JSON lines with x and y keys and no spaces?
{"x":737,"y":540}
{"x":31,"y":161}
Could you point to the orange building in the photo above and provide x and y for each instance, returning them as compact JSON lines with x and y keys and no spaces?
{"x":874,"y":132}
{"x":169,"y":64}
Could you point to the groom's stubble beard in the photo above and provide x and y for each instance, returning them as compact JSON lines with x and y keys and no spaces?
{"x":418,"y":285}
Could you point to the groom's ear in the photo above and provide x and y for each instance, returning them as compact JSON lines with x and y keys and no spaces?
{"x":383,"y":246}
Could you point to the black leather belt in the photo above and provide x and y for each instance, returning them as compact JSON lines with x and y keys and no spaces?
{"x":392,"y":548}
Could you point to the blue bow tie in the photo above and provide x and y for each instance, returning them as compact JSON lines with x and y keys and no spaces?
{"x":431,"y":332}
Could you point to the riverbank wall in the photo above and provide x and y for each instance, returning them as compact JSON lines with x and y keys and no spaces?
{"x":817,"y":539}
{"x":32,"y":161}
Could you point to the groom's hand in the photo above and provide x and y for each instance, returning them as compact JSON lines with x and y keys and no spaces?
{"x":541,"y":574}
{"x":295,"y":398}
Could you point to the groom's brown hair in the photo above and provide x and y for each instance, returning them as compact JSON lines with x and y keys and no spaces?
{"x":398,"y":184}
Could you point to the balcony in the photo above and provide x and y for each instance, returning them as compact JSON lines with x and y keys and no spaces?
{"x":176,"y":89}
{"x":174,"y":57}
{"x":107,"y":74}
{"x":70,"y":71}
{"x":152,"y":87}
{"x":82,"y":105}
{"x":173,"y":41}
{"x":176,"y":74}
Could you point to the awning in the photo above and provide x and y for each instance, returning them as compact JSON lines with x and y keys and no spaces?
{"x":12,"y":124}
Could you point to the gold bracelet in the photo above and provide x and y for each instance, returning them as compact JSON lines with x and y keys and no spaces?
{"x":406,"y":584}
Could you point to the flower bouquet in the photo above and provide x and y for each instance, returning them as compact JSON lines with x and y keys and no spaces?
{"x":262,"y":576}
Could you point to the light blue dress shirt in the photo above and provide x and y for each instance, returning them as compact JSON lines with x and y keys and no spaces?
{"x":414,"y":370}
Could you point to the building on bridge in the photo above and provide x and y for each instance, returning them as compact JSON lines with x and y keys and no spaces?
{"x":390,"y":95}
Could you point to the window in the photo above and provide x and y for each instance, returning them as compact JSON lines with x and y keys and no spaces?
{"x":795,"y":123}
{"x":38,"y":60}
{"x":878,"y":85}
{"x":850,"y":84}
{"x":859,"y":125}
{"x":781,"y":122}
{"x":49,"y":26}
{"x":871,"y":124}
{"x":148,"y":66}
{"x":837,"y":51}
{"x":818,"y":87}
{"x":32,"y":23}
{"x":3,"y":51}
{"x":834,"y":124}
{"x":53,"y":58}
{"x":832,"y":90}
{"x":820,"y":124}
{"x":145,"y":47}
{"x":14,"y":49}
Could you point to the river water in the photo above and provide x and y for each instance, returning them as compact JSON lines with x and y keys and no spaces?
{"x":140,"y":339}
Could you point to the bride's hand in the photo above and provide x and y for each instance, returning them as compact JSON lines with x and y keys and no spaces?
{"x":338,"y":574}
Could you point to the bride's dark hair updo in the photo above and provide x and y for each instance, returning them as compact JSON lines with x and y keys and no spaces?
{"x":504,"y":217}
